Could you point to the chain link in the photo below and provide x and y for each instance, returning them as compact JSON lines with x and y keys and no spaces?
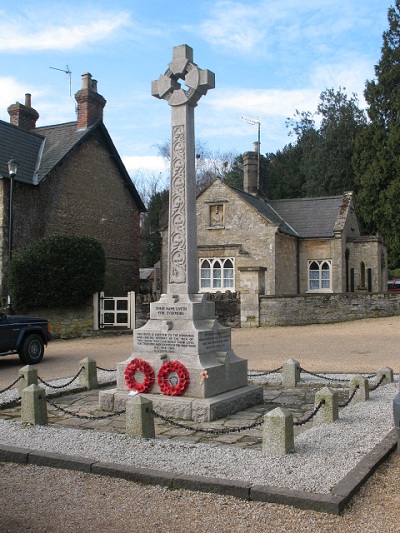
{"x":346,"y":403}
{"x":323,"y":377}
{"x":83,"y":417}
{"x":201,"y":430}
{"x":374,"y":387}
{"x":10,"y":403}
{"x":311,"y":416}
{"x":61,"y":386}
{"x":10,"y":386}
{"x":106,"y":369}
{"x":254,"y":375}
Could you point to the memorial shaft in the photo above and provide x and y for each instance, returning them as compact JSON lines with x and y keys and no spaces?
{"x":182,"y":232}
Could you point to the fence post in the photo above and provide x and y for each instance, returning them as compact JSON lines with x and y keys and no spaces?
{"x":96,"y":311}
{"x":33,"y":406}
{"x":139,"y":417}
{"x":132,"y":306}
{"x":362,"y":393}
{"x":278,"y":435}
{"x":88,"y":376}
{"x":290,"y":374}
{"x":387,"y":372}
{"x":329,"y":411}
{"x":28,"y":376}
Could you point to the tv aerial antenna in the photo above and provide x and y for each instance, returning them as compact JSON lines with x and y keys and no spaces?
{"x":69,"y":74}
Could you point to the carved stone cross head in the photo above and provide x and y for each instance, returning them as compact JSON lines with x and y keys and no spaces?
{"x":197,"y":81}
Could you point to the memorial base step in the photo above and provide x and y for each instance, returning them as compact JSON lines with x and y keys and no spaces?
{"x":189,"y":408}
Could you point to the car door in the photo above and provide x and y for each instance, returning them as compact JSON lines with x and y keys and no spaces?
{"x":5,"y":333}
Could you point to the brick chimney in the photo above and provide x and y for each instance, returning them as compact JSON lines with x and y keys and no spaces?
{"x":250,"y":170}
{"x":23,"y":116}
{"x":90,"y":103}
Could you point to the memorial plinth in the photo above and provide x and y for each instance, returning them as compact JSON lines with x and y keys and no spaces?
{"x":183,"y":328}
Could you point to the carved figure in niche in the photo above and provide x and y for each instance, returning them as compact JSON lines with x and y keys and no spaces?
{"x":216,"y":215}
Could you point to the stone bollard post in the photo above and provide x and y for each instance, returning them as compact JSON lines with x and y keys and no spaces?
{"x":33,"y":406}
{"x":88,"y":377}
{"x":362,"y":393}
{"x":290,"y":374}
{"x":387,"y":372}
{"x":329,"y":411}
{"x":278,"y":436}
{"x":139,"y":418}
{"x":28,"y":376}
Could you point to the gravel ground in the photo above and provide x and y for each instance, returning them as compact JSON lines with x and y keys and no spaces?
{"x":46,"y":500}
{"x":43,"y":499}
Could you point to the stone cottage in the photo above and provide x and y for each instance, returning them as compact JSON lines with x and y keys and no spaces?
{"x":70,"y":181}
{"x":257,"y":246}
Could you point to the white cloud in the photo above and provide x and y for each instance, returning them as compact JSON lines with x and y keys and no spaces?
{"x":38,"y":32}
{"x":145,"y":163}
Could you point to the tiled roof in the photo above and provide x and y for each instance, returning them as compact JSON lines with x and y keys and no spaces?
{"x":300,"y":217}
{"x":310,"y":217}
{"x":39,"y":151}
{"x":60,"y":140}
{"x":267,"y":211}
{"x":24,"y":146}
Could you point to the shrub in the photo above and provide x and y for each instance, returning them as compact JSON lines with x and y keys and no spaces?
{"x":59,"y":271}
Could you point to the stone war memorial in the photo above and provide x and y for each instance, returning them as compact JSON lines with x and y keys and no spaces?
{"x":182,"y":359}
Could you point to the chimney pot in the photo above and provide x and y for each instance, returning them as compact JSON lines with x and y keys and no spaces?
{"x":28,"y":100}
{"x":90,"y":102}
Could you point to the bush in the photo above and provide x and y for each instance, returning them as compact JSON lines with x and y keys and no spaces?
{"x":58,"y":271}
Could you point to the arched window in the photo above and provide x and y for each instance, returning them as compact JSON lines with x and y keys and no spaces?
{"x":319,"y":275}
{"x":216,"y":274}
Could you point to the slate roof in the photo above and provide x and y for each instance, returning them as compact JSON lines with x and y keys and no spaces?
{"x":266,"y":210}
{"x":40,"y":150}
{"x":310,"y":217}
{"x":300,"y":217}
{"x":24,"y":146}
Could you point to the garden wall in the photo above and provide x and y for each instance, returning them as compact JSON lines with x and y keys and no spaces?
{"x":299,"y":310}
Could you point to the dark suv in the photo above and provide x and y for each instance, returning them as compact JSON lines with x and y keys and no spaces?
{"x":24,"y":335}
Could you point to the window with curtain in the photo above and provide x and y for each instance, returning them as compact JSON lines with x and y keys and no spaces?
{"x":216,"y":274}
{"x":319,"y":275}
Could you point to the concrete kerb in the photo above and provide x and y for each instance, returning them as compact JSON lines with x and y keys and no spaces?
{"x":333,"y":503}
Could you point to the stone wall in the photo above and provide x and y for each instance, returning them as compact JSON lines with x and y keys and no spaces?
{"x":299,"y":310}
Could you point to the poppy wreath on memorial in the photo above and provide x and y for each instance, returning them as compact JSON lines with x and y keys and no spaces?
{"x":138,"y":365}
{"x":166,"y":384}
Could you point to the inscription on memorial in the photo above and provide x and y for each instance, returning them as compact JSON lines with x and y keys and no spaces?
{"x":170,"y":311}
{"x":208,"y":341}
{"x":165,"y":342}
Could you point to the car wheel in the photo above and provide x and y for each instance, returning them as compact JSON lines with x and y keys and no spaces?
{"x":32,"y":350}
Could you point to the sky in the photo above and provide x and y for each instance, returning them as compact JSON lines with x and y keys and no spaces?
{"x":270,"y":58}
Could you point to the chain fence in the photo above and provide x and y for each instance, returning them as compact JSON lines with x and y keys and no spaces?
{"x":64,"y":384}
{"x":83,"y":417}
{"x":11,"y":386}
{"x":374,"y":387}
{"x":256,"y":374}
{"x":106,"y":369}
{"x":346,"y":403}
{"x":339,"y":380}
{"x":204,"y":430}
{"x":311,"y":416}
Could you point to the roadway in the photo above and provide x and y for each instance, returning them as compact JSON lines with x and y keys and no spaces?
{"x":357,"y":346}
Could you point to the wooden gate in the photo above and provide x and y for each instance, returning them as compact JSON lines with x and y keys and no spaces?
{"x":116,"y":311}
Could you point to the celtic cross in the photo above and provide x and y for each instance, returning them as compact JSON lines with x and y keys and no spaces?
{"x":182,"y":232}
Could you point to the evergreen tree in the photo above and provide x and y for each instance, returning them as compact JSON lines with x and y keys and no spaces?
{"x":377,"y":157}
{"x":325,"y":153}
{"x":150,"y":237}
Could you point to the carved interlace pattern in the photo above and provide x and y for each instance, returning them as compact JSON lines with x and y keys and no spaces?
{"x":177,"y":245}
